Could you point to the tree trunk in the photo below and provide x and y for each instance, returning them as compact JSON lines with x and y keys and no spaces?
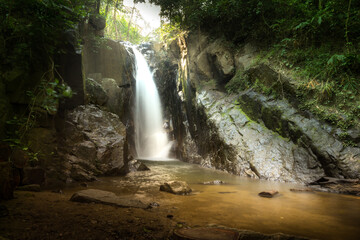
{"x":132,"y":13}
{"x":114,"y":20}
{"x":98,"y":6}
{"x":107,"y":8}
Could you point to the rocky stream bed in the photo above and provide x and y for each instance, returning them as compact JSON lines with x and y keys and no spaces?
{"x":133,"y":207}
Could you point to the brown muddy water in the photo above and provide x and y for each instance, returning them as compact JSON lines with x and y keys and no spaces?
{"x":237,"y":204}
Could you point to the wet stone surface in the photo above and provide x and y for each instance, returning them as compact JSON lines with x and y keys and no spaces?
{"x":176,"y":187}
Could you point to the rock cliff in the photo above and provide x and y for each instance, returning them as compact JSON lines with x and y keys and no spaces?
{"x":247,"y":133}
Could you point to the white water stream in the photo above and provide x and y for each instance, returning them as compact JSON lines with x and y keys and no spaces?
{"x":151,"y":140}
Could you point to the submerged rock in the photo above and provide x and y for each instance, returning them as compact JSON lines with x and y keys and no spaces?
{"x":301,"y":190}
{"x":176,"y":187}
{"x":107,"y":198}
{"x":215,"y":182}
{"x":268,"y":194}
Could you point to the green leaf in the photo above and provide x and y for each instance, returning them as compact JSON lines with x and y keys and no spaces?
{"x":319,"y":20}
{"x":335,"y":59}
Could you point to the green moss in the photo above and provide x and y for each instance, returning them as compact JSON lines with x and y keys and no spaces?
{"x":238,"y":83}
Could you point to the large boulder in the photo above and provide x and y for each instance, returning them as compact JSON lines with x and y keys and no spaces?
{"x":92,"y":143}
{"x":111,"y":65}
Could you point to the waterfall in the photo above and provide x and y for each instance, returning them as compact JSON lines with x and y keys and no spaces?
{"x":151,"y":140}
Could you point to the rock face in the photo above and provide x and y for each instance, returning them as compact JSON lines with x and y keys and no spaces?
{"x":248,"y":133}
{"x":92,"y":143}
{"x":254,"y":150}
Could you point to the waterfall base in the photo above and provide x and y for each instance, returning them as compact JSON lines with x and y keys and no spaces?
{"x":155,"y":159}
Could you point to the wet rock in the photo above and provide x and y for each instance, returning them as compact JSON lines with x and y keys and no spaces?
{"x":331,"y":180}
{"x":176,"y":187}
{"x":135,"y":165}
{"x":106,"y":198}
{"x":268,"y":194}
{"x":29,"y":188}
{"x":336,"y":185}
{"x":215,"y":182}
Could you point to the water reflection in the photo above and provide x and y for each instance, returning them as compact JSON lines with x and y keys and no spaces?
{"x":237,"y":204}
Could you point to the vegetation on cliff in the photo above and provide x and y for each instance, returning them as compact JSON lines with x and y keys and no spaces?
{"x":33,"y":34}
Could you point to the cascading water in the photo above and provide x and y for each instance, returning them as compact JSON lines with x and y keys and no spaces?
{"x":151,"y":140}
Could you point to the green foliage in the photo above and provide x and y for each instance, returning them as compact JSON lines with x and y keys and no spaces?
{"x":43,"y":100}
{"x":47,"y":95}
{"x":119,"y":28}
{"x":32,"y":32}
{"x":168,"y":32}
{"x":308,"y":21}
{"x":120,"y":23}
